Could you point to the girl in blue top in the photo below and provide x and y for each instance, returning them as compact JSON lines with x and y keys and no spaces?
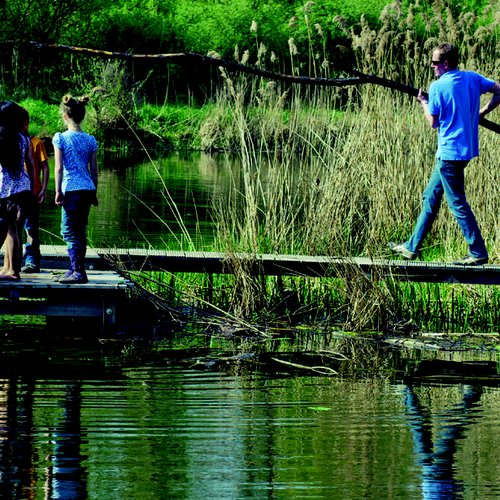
{"x":75,"y":155}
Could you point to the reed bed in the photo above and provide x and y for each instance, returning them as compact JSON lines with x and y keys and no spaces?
{"x":340,"y":172}
{"x":350,"y":303}
{"x":343,"y":185}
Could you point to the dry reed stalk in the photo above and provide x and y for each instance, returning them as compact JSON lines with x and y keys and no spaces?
{"x":317,"y":184}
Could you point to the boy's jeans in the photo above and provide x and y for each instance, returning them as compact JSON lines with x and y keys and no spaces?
{"x":448,"y":179}
{"x":32,"y":246}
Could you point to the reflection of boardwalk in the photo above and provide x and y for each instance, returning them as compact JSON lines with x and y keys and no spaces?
{"x":63,"y":475}
{"x":271,"y":264}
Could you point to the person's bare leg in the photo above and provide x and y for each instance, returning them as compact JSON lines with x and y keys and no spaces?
{"x":6,"y":257}
{"x":10,"y":269}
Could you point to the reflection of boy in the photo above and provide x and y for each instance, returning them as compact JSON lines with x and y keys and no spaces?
{"x":32,"y":225}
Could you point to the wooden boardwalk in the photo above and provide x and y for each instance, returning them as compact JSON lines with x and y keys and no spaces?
{"x":39,"y":294}
{"x":271,"y":264}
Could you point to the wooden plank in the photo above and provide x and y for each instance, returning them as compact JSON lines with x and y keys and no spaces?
{"x":39,"y":294}
{"x":98,"y":281}
{"x":274,"y":264}
{"x":46,"y":308}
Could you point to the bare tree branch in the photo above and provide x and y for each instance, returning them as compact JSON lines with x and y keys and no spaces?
{"x":358,"y":78}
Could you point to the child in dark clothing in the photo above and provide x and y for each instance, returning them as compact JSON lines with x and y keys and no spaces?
{"x":32,"y":255}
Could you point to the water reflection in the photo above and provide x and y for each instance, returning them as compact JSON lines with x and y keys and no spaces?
{"x":436,"y":455}
{"x":167,"y":431}
{"x":20,"y":461}
{"x":17,"y":468}
{"x":65,"y":476}
{"x":168,"y":201}
{"x":147,"y":203}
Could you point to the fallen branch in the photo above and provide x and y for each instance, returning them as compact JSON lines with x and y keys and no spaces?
{"x":323,"y":370}
{"x":412,"y":91}
{"x":357,"y":79}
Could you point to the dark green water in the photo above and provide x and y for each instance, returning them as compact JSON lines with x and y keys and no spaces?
{"x":135,"y":209}
{"x":75,"y":424}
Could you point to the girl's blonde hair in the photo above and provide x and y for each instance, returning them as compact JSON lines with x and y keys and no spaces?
{"x":74,"y":107}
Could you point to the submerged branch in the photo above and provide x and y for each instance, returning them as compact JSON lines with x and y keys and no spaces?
{"x":323,"y":370}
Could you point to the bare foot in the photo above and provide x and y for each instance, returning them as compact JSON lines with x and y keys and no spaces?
{"x":9,"y":277}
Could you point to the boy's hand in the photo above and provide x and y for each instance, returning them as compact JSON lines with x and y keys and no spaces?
{"x":41,"y":196}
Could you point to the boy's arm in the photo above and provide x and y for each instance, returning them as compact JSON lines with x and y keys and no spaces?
{"x":42,"y":160}
{"x":44,"y":169}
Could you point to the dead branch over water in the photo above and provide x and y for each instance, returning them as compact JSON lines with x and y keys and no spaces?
{"x":358,"y":77}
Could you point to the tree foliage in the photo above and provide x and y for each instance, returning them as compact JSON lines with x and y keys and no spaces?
{"x":296,"y":35}
{"x":46,"y":20}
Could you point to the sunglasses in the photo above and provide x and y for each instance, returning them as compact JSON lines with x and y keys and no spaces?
{"x":436,"y":63}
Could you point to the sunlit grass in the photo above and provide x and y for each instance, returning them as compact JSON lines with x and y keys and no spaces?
{"x":358,"y":185}
{"x":175,"y":125}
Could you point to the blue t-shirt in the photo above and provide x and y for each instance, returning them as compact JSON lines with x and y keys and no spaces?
{"x":455,"y":99}
{"x":77,"y":149}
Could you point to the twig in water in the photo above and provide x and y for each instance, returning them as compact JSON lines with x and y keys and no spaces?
{"x":323,"y":370}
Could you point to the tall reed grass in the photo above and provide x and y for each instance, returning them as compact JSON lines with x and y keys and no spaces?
{"x":318,"y":181}
{"x":341,"y":171}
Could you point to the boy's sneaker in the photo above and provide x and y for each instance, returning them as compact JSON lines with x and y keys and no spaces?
{"x":30,"y":268}
{"x":400,"y":249}
{"x":470,"y":260}
{"x":75,"y":278}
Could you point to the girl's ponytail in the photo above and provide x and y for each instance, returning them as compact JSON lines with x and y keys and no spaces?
{"x":74,"y":107}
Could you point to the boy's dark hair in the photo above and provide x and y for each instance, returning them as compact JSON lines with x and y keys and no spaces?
{"x":448,"y":53}
{"x":74,"y":107}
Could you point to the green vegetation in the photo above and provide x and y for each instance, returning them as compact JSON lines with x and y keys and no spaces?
{"x":359,"y":183}
{"x":354,"y":303}
{"x":316,"y":33}
{"x":364,"y":152}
